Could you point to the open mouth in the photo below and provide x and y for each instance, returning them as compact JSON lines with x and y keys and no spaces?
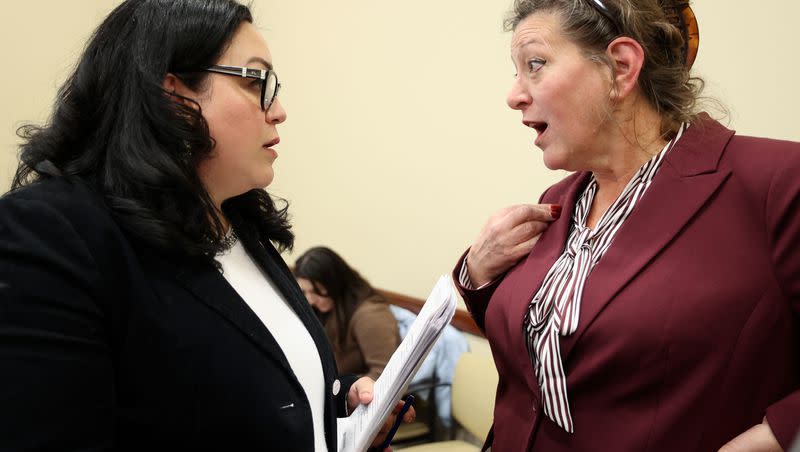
{"x":539,"y":127}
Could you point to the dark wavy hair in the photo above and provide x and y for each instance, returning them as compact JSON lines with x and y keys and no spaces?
{"x":116,"y":128}
{"x":345,"y":286}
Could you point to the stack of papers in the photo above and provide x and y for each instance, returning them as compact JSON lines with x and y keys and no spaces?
{"x":357,"y":431}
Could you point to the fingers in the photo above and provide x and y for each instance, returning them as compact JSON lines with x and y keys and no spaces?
{"x":410,"y":415}
{"x":524,"y":248}
{"x":527,"y":230}
{"x":364,"y":387}
{"x":408,"y":418}
{"x":508,"y":218}
{"x":532,"y":212}
{"x":379,"y":438}
{"x":519,"y":224}
{"x":758,"y":437}
{"x":388,"y":424}
{"x":520,"y":246}
{"x":506,"y":238}
{"x":360,"y":393}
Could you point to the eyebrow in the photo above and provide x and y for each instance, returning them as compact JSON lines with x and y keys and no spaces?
{"x":266,"y":63}
{"x":529,"y":41}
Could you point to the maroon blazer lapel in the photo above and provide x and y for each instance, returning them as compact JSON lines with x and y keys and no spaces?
{"x":528,"y":276}
{"x":687,"y":179}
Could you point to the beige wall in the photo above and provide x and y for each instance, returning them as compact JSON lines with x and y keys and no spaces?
{"x":40,"y":42}
{"x":398,"y":143}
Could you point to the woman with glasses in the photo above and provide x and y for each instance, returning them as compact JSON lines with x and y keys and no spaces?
{"x":651,"y":300}
{"x":143,"y":302}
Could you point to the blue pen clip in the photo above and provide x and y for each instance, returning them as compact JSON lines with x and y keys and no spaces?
{"x":386,"y":442}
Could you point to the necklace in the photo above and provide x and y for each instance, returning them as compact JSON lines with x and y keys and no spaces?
{"x":229,"y":240}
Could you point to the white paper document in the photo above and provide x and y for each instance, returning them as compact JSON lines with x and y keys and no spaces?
{"x":355,"y":433}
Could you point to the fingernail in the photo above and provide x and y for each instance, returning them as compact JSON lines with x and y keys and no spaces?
{"x":555,"y":211}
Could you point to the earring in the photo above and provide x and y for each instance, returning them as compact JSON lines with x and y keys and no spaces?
{"x":186,"y":152}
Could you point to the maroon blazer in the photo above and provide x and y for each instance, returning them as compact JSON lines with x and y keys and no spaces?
{"x":689,"y":328}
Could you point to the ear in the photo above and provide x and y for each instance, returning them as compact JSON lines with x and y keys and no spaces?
{"x":177,"y":89}
{"x":628,"y":58}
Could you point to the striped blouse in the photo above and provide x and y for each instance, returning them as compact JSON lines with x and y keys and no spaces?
{"x":555,"y":308}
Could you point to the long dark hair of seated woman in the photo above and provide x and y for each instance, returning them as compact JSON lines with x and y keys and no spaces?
{"x":345,"y":286}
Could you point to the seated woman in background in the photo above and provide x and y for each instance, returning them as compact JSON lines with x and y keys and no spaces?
{"x":357,"y":321}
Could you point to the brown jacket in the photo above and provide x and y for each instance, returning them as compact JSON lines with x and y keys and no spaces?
{"x":372,"y":337}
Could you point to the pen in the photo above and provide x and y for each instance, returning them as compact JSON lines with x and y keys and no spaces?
{"x":386,"y":442}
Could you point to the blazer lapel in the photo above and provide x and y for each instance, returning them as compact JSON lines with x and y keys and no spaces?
{"x":531,"y":273}
{"x":271,"y":262}
{"x":686,"y":180}
{"x":268,"y":258}
{"x":210,"y":287}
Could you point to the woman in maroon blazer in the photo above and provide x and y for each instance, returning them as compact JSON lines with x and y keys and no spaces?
{"x":660,"y":311}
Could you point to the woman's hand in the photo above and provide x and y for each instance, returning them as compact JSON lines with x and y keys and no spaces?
{"x":507,"y":237}
{"x":361,"y":394}
{"x":758,"y":439}
{"x":408,"y":418}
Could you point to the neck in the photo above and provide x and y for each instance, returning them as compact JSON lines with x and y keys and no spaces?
{"x":226,"y":225}
{"x":635,"y":137}
{"x":216,"y":195}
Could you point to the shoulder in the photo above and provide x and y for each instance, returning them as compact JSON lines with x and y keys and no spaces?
{"x":57,"y":214}
{"x":762,"y":173}
{"x":747,"y":151}
{"x":761,"y":163}
{"x":709,"y":145}
{"x":70,"y":199}
{"x":371,"y":307}
{"x":373,"y":320}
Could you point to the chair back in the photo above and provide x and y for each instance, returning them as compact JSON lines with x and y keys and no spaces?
{"x":474,"y":388}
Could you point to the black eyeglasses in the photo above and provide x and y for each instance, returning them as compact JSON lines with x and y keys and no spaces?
{"x":269,"y":80}
{"x":678,"y":13}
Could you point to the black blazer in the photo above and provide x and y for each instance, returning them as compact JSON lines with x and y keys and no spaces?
{"x":108,"y":344}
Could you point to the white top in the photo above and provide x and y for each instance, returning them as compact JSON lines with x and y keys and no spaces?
{"x":260,"y":293}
